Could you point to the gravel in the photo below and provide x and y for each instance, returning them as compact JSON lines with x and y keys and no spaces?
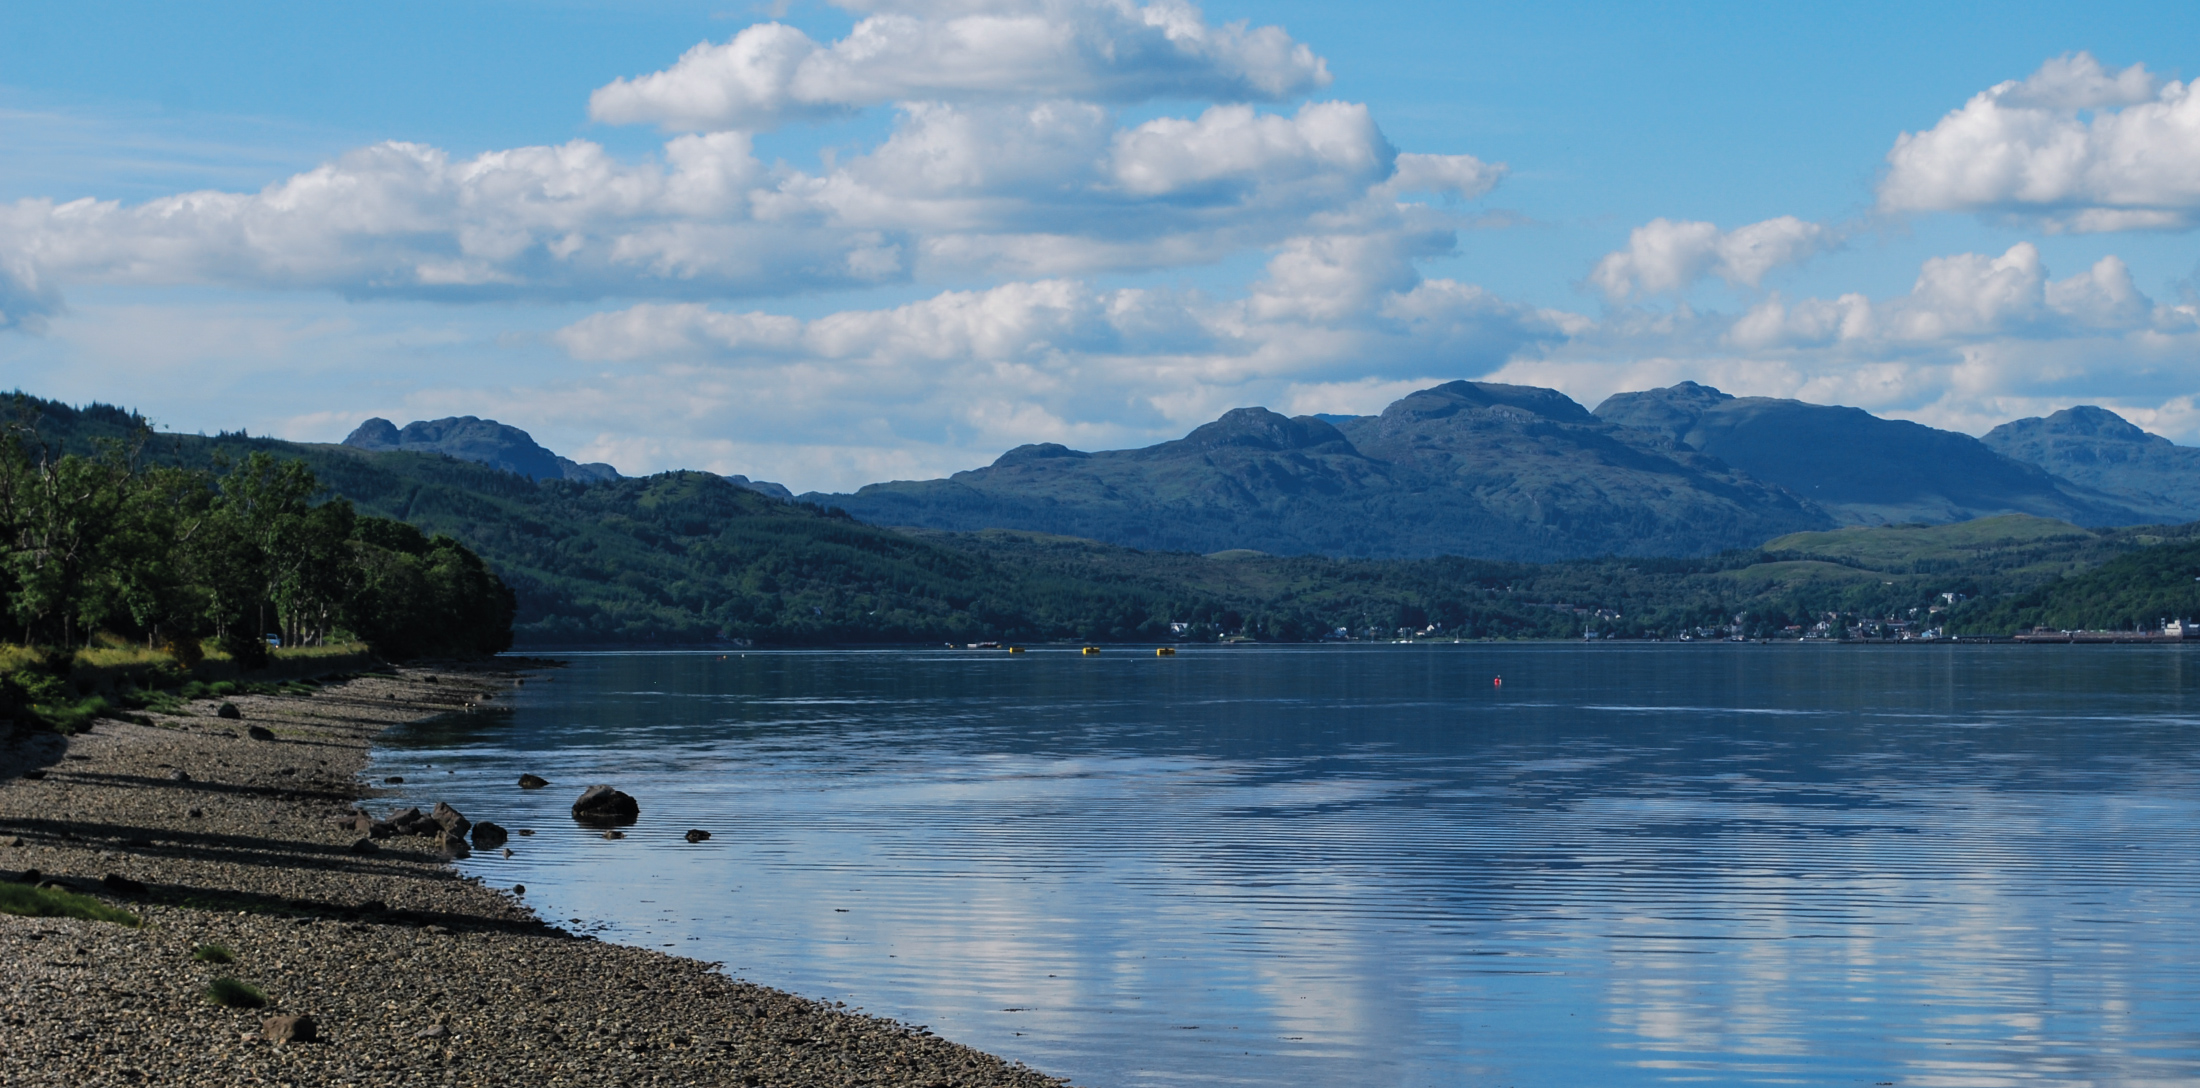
{"x":409,"y":973}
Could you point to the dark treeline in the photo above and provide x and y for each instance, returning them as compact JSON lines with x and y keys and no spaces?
{"x":98,"y":541}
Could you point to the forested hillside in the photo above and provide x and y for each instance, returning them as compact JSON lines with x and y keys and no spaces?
{"x":690,"y":558}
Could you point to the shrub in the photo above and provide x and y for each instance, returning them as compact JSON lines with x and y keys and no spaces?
{"x":55,"y":903}
{"x":232,"y":994}
{"x":213,"y":953}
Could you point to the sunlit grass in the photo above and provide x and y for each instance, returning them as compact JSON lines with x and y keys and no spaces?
{"x":55,"y":903}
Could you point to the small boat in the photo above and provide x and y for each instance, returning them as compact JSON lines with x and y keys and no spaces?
{"x":1165,"y":651}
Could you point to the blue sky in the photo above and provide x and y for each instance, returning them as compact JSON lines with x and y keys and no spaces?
{"x":828,"y":260}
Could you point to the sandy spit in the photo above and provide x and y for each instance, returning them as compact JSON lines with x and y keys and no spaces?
{"x":412,"y":974}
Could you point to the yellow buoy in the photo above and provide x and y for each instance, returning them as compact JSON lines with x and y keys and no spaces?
{"x":1015,"y":649}
{"x":1165,"y":651}
{"x":1090,"y":650}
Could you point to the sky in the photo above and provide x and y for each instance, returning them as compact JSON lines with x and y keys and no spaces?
{"x":831,"y":244}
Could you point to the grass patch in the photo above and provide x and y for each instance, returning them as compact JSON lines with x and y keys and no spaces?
{"x":13,"y":657}
{"x":213,"y":953}
{"x":312,"y":653}
{"x":232,"y":994}
{"x":55,"y":903}
{"x":102,"y":657}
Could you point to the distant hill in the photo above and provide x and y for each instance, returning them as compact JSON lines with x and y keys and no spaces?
{"x":498,"y":445}
{"x":2101,"y":450}
{"x":482,"y":441}
{"x":688,"y":558}
{"x":1862,"y":469}
{"x":1465,"y":468}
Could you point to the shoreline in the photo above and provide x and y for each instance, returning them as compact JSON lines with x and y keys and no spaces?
{"x":409,"y":970}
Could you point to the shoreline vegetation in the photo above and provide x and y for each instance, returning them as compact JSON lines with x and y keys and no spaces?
{"x":252,"y":905}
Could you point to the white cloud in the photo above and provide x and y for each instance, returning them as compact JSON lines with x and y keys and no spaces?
{"x":1090,"y":50}
{"x":1966,"y":296}
{"x":1666,"y":256}
{"x":1979,"y":339}
{"x":1031,"y":190}
{"x":2074,"y":147}
{"x":1335,"y":320}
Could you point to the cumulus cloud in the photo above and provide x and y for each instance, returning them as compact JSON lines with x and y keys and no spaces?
{"x":1332,"y":319}
{"x":1966,"y":296}
{"x":1977,"y":340}
{"x":409,"y":220}
{"x":1109,"y":51}
{"x":1032,"y":190}
{"x":2075,"y":147}
{"x":1666,"y":256}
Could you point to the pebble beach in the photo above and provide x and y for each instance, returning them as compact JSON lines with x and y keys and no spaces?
{"x":237,"y":840}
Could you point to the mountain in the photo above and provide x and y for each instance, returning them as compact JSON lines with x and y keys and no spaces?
{"x":482,"y":441}
{"x":1464,"y":468}
{"x":1862,"y":469}
{"x":688,"y":558}
{"x":2101,"y":450}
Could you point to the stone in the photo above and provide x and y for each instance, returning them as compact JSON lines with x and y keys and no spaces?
{"x":196,"y":814}
{"x":433,"y":1031}
{"x":11,"y":840}
{"x":259,"y":732}
{"x":527,"y":831}
{"x":697,"y":834}
{"x":614,"y":834}
{"x":395,"y":780}
{"x":488,"y":836}
{"x":450,"y":819}
{"x":121,"y":885}
{"x":228,"y":711}
{"x":179,"y":775}
{"x":289,"y":1029}
{"x":604,"y":805}
{"x":364,"y":846}
{"x":454,"y":847}
{"x":31,"y":876}
{"x":519,"y":889}
{"x":532,"y":782}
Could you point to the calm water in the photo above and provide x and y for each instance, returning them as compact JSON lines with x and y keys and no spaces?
{"x":1371,"y":866}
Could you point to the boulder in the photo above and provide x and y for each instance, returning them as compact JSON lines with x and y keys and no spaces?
{"x":229,"y":711}
{"x":450,"y":819}
{"x":697,"y":835}
{"x":454,"y":847}
{"x":412,"y":821}
{"x":364,"y":846}
{"x":488,"y":836}
{"x":604,"y":805}
{"x":532,"y":782}
{"x":289,"y":1029}
{"x":259,"y":732}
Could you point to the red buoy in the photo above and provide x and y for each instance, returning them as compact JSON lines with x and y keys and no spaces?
{"x":1498,"y":683}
